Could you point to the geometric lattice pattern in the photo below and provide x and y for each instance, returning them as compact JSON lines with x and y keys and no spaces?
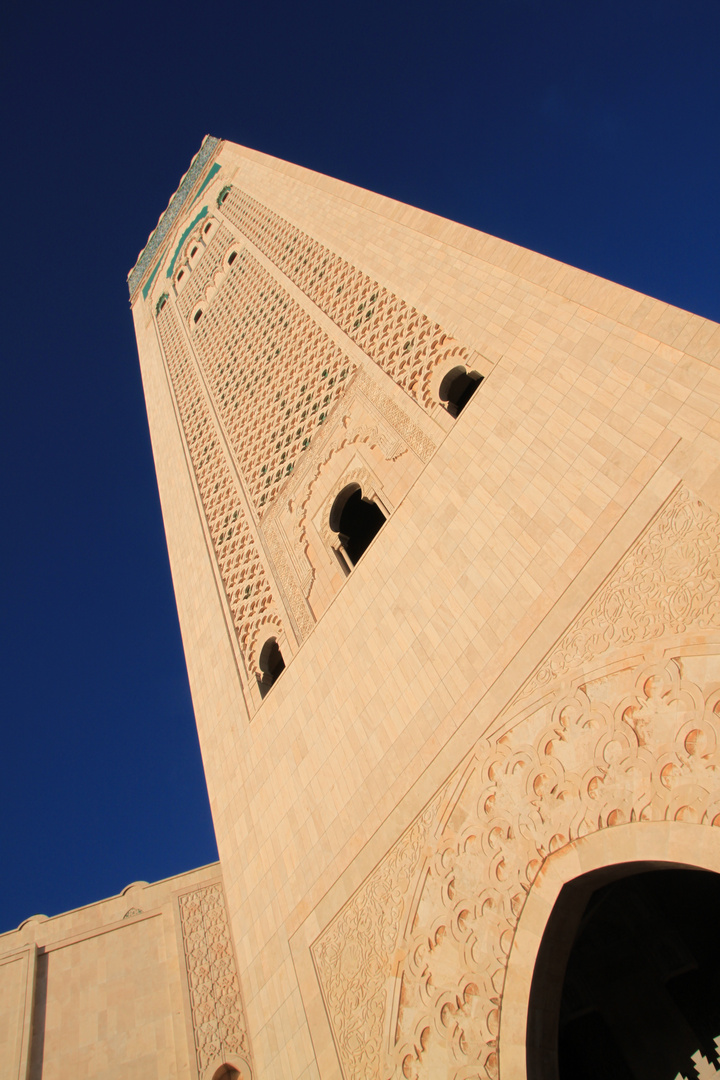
{"x":217,"y":1014}
{"x":273,"y":373}
{"x":246,"y":585}
{"x":401,"y":340}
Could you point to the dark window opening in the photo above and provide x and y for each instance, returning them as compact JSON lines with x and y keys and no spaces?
{"x":226,"y":1072}
{"x":271,"y":665}
{"x":180,"y":274}
{"x":193,"y":252}
{"x":457,"y":388}
{"x":208,"y":227}
{"x":232,"y":257}
{"x":627,"y":980}
{"x":356,"y":520}
{"x":197,"y":316}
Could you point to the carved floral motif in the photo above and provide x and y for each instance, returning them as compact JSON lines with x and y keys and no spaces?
{"x":217,"y":1011}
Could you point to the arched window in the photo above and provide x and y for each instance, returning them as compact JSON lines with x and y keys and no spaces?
{"x":271,"y":665}
{"x":356,"y":520}
{"x":457,"y":388}
{"x":627,"y":979}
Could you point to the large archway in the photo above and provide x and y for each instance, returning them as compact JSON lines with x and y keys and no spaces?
{"x":627,"y":980}
{"x":569,"y":916}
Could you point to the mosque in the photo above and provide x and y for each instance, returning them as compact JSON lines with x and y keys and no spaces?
{"x":443,"y":518}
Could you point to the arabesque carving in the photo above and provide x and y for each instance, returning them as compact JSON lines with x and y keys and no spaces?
{"x":203,"y":276}
{"x":217,"y":1011}
{"x":641,"y":745}
{"x":637,"y":741}
{"x":353,"y":954}
{"x":416,"y":439}
{"x":668,"y":583}
{"x":288,"y":578}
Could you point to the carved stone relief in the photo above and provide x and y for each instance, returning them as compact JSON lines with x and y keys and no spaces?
{"x":288,"y":578}
{"x":636,"y":739}
{"x":668,"y":583}
{"x":416,"y":439}
{"x":406,"y":344}
{"x":354,"y":953}
{"x":217,"y":1012}
{"x":366,"y":418}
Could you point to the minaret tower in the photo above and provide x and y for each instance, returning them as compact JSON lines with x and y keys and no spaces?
{"x":308,"y":396}
{"x":443,"y":518}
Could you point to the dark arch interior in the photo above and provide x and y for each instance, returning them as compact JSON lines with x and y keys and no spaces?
{"x":358,"y":522}
{"x":627,"y":981}
{"x":226,"y":1072}
{"x":457,"y":388}
{"x":271,"y":664}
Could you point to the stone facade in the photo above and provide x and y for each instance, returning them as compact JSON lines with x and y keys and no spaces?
{"x":515,"y":689}
{"x":142,"y":985}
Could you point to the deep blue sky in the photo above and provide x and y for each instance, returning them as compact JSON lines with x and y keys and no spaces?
{"x":585,"y":130}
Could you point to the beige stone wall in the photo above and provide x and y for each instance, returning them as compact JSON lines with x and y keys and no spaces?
{"x":552,"y":561}
{"x":142,"y":986}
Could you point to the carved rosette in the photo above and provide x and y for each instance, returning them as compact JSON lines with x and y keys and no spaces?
{"x":216,"y":1004}
{"x":637,"y":740}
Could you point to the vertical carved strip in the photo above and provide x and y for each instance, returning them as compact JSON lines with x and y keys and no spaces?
{"x":217,"y":1012}
{"x":246,"y":585}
